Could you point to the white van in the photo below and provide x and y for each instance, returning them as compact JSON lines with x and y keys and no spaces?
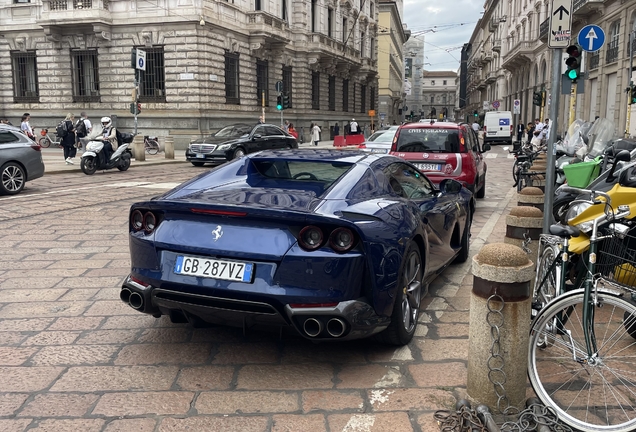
{"x":498,"y":127}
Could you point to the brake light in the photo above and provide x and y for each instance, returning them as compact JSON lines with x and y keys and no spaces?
{"x":310,"y":238}
{"x":462,"y":143}
{"x":36,"y":147}
{"x":218,"y":212}
{"x":341,"y":240}
{"x":511,"y":129}
{"x":395,"y":138}
{"x":362,"y":146}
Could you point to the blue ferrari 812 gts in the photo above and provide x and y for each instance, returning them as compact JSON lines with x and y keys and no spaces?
{"x":335,"y":244}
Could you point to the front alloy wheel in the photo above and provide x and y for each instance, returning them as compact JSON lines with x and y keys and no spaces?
{"x":89,"y":165}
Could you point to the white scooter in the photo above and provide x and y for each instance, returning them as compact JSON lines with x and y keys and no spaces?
{"x":93,"y":158}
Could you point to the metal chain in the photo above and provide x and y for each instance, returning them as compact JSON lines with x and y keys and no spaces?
{"x":526,"y":241}
{"x":463,"y":420}
{"x":496,"y":374}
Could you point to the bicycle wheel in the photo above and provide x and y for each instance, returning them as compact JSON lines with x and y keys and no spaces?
{"x":589,"y":394}
{"x":44,"y":142}
{"x":152,"y":147}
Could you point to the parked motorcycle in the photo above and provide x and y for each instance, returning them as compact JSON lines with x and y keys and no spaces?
{"x":93,"y":158}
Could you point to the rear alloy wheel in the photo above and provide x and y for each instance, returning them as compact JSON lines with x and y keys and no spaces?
{"x":12,"y":178}
{"x":406,"y":309}
{"x":198,"y":164}
{"x":481,"y":192}
{"x":465,"y":251}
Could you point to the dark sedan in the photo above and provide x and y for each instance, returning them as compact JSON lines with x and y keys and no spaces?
{"x":334,"y":243}
{"x":236,"y":141}
{"x":20,"y":160}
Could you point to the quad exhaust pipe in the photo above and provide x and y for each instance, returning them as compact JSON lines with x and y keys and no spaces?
{"x":336,"y":327}
{"x":134,"y":299}
{"x":312,"y":327}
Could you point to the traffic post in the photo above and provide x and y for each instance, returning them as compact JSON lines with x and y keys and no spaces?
{"x":138,"y":62}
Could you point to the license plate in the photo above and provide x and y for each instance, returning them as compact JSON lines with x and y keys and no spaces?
{"x":216,"y":269}
{"x":200,"y":156}
{"x":379,"y":151}
{"x":428,"y":167}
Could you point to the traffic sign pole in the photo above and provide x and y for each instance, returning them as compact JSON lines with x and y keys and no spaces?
{"x":554,"y":114}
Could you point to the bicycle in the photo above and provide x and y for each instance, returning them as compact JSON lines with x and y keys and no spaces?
{"x":46,"y":140}
{"x":582,"y":347}
{"x":151,"y":145}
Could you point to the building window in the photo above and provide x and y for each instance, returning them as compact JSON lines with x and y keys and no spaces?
{"x":432,"y":82}
{"x":284,"y":11}
{"x":332,"y":93}
{"x":314,"y":17}
{"x":432,"y":99}
{"x":25,"y":76}
{"x":444,"y":82}
{"x":232,"y":95}
{"x":152,"y":81}
{"x":361,"y":44}
{"x":315,"y":90}
{"x":330,"y":22}
{"x":371,"y":10}
{"x":257,"y":5}
{"x":363,"y":99}
{"x":85,"y":76}
{"x":21,"y":1}
{"x":353,"y":108}
{"x":372,"y":98}
{"x":262,"y":72}
{"x":344,"y":30}
{"x":287,"y":83}
{"x":372,"y":49}
{"x":345,"y":95}
{"x":612,"y":47}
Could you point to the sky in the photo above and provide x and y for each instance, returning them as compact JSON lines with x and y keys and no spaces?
{"x":448,"y":24}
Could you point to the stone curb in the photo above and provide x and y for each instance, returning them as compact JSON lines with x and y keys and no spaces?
{"x":138,"y":164}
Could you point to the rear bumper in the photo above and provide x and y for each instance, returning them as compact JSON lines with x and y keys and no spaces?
{"x":351,"y":319}
{"x":498,"y":139}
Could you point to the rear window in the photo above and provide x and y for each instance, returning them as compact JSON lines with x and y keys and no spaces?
{"x":422,"y":140}
{"x":314,"y":175}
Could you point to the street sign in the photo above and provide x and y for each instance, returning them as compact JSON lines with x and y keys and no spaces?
{"x":591,"y":38}
{"x":517,"y":107}
{"x":279,"y":86}
{"x":486,"y":105}
{"x":371,"y":113}
{"x":405,"y":108}
{"x":141,"y":60}
{"x":560,"y":24}
{"x":382,"y":116}
{"x":496,"y":104}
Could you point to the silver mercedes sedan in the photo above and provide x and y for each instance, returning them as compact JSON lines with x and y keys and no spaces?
{"x":20,"y":160}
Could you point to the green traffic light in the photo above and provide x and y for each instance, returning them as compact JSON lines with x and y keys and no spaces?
{"x":279,"y":107}
{"x":573,"y":74}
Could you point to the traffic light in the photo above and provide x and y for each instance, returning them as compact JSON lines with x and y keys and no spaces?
{"x":538,"y":98}
{"x":286,"y":102}
{"x":138,"y":108}
{"x":133,"y":58}
{"x":631,"y":94}
{"x":279,"y":102}
{"x":475,"y":114}
{"x":573,"y":63}
{"x":133,"y":107}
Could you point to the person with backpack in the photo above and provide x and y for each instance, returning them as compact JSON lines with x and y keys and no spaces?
{"x":83,"y":128}
{"x":65,"y":131}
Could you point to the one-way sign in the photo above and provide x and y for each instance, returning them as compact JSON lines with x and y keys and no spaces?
{"x":560,"y":24}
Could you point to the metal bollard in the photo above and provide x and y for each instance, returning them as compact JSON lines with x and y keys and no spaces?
{"x":531,"y":196}
{"x":500,"y":307}
{"x":138,"y":148}
{"x":168,"y":147}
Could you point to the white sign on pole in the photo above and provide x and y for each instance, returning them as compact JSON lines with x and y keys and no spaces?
{"x":141,"y":60}
{"x":560,"y":24}
{"x":517,"y":107}
{"x":486,"y":105}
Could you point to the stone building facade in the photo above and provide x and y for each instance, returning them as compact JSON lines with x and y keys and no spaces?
{"x":510,"y":60}
{"x":438,"y":94}
{"x":208,"y":63}
{"x":414,"y":68}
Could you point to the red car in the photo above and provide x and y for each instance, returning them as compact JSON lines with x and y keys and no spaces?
{"x":444,"y":150}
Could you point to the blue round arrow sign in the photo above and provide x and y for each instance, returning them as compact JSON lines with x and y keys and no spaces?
{"x":591,"y":38}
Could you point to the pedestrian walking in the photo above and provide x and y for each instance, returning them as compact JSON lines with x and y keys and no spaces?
{"x":520,"y":130}
{"x":286,"y":126}
{"x":5,"y":121}
{"x":261,"y":120}
{"x":83,"y":128}
{"x":353,"y":127}
{"x":68,"y":140}
{"x":315,"y":133}
{"x":25,"y":126}
{"x":336,"y":130}
{"x":475,"y":126}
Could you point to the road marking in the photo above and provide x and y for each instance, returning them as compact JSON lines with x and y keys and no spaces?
{"x":491,"y":155}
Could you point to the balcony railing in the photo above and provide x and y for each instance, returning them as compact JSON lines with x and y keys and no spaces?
{"x":594,"y":61}
{"x":612,"y":52}
{"x":580,"y":5}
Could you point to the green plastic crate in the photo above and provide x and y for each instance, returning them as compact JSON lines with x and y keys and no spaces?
{"x":581,"y":174}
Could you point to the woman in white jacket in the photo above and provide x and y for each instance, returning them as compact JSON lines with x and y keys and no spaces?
{"x":315,"y":133}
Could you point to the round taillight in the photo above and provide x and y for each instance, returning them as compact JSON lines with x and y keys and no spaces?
{"x":341,"y":239}
{"x":310,"y":238}
{"x":150,"y":222}
{"x":137,"y":220}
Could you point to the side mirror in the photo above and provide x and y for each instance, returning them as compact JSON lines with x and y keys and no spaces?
{"x":450,"y":186}
{"x":256,"y":136}
{"x":485,"y":148}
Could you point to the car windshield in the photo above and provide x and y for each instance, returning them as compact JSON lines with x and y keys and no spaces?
{"x":233,"y":130}
{"x":422,"y":140}
{"x":300,"y":173}
{"x":382,"y":137}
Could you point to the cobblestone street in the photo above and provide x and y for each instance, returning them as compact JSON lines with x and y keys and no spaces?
{"x":74,"y":357}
